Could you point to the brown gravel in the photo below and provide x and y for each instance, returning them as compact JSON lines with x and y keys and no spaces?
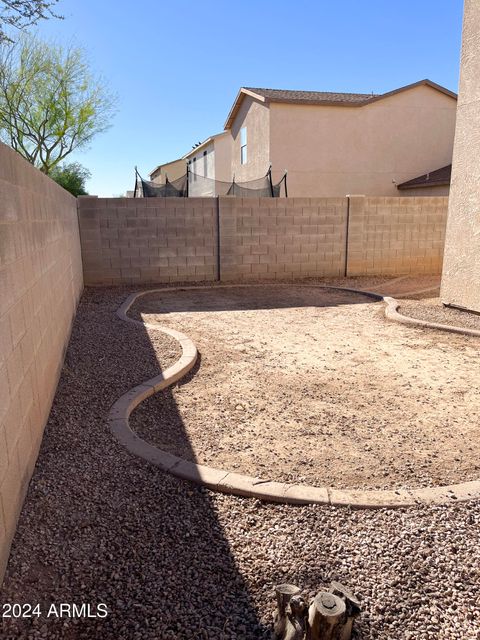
{"x":315,"y":386}
{"x":405,"y":286}
{"x":172,"y":560}
{"x":432,"y":310}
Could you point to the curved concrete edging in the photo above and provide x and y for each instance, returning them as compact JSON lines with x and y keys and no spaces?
{"x":244,"y":485}
{"x":391,"y":313}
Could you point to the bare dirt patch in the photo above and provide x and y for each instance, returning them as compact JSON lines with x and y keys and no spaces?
{"x":315,"y":386}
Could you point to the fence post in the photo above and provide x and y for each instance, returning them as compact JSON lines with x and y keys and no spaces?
{"x":218,"y":239}
{"x":354,"y":236}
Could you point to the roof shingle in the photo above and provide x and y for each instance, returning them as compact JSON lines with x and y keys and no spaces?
{"x":322,"y":97}
{"x":315,"y":97}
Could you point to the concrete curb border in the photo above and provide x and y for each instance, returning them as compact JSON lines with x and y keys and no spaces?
{"x":391,"y":313}
{"x":244,"y":485}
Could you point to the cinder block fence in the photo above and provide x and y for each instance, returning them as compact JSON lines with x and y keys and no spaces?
{"x":40,"y":284}
{"x":137,"y":241}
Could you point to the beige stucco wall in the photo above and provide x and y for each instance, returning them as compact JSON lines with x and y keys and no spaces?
{"x":175,"y":169}
{"x":223,"y":157}
{"x":218,"y":166}
{"x":461,"y":272}
{"x":40,"y":283}
{"x":255,"y":116}
{"x":202,"y":164}
{"x":333,"y":151}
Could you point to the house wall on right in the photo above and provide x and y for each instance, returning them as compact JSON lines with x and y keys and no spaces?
{"x":461,"y":269}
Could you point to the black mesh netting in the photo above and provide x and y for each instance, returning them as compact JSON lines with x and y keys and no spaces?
{"x":175,"y":189}
{"x":193,"y":185}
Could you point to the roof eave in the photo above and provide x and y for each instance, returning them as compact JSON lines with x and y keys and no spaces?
{"x":237,"y":104}
{"x":202,"y":144}
{"x":422,"y":185}
{"x":426,"y":82}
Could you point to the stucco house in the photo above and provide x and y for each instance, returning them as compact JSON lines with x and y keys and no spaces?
{"x":210,"y":159}
{"x":173,"y":170}
{"x":333,"y":144}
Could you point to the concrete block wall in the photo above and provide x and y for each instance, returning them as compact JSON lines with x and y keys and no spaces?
{"x":389,"y":236}
{"x":142,"y":240}
{"x":282,"y":237}
{"x":40,"y":284}
{"x":148,"y":240}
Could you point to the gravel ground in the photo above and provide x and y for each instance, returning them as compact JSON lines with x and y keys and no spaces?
{"x":432,"y":310}
{"x":315,"y":386}
{"x":404,"y":286}
{"x":172,"y":560}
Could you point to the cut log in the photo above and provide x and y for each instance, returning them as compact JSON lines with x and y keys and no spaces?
{"x":327,"y":617}
{"x":352,"y":604}
{"x":283,"y":593}
{"x":296,"y":619}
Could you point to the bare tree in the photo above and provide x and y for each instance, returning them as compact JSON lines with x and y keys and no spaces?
{"x":20,"y":14}
{"x":50,"y":103}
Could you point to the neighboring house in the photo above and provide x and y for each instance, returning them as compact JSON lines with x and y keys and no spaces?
{"x":174,"y":169}
{"x":434,"y":183}
{"x":334,"y":144}
{"x":210,"y":159}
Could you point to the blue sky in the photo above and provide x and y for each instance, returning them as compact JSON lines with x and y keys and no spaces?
{"x":177,"y":66}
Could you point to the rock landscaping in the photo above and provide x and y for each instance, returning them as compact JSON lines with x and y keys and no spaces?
{"x":431,"y":309}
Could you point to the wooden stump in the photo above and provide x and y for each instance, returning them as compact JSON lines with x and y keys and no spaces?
{"x":284,"y":593}
{"x":330,"y":616}
{"x":352,"y":605}
{"x":297,"y":619}
{"x":327,"y":617}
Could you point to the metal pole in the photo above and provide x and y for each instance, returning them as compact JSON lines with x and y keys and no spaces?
{"x":135,"y":188}
{"x":270,"y":178}
{"x":141,"y":181}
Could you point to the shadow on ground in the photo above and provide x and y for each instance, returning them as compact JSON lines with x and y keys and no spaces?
{"x":100,"y":526}
{"x":245,"y":298}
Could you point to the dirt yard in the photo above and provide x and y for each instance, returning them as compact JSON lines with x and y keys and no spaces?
{"x":315,"y":386}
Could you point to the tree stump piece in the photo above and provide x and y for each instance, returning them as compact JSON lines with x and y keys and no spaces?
{"x":283,"y":593}
{"x":296,"y":619}
{"x":352,"y":604}
{"x":327,"y":617}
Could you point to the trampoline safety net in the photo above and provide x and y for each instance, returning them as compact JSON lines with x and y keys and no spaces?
{"x":194,"y":185}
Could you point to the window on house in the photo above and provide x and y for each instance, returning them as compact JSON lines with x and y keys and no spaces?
{"x":205,"y":167}
{"x":243,"y":145}
{"x":194,"y":168}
